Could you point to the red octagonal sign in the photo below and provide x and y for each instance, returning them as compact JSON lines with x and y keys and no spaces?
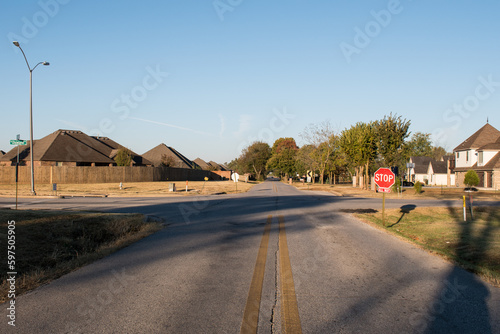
{"x":384,"y":177}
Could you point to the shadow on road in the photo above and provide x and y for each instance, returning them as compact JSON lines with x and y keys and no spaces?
{"x":460,"y":288}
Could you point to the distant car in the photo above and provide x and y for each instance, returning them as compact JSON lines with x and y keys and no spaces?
{"x":471,"y":189}
{"x":408,"y":184}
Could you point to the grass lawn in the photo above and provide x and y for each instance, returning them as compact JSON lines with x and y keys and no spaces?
{"x":49,"y":244}
{"x":132,"y":188}
{"x":408,"y":192}
{"x":474,"y":245}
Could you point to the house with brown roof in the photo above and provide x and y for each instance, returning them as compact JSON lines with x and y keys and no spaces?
{"x":432,"y":172}
{"x":480,"y":152}
{"x":163,"y":155}
{"x":70,"y":148}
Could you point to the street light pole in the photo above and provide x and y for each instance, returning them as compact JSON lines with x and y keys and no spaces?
{"x":31,"y":115}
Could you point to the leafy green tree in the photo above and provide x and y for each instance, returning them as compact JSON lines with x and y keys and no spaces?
{"x":471,"y":179}
{"x":391,"y":132}
{"x":420,"y":145}
{"x":283,"y":156}
{"x":359,"y":145}
{"x":254,"y":158}
{"x":235,"y":165}
{"x":123,"y":157}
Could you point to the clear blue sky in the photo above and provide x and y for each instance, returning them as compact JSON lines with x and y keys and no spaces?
{"x":209,"y":77}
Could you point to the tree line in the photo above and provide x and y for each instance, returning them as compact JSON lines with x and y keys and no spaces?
{"x":356,"y":152}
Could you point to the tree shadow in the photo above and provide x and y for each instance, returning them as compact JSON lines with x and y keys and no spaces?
{"x":461,"y":305}
{"x":405,"y":209}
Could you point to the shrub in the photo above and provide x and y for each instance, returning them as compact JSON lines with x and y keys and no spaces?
{"x":418,"y":187}
{"x":471,"y":179}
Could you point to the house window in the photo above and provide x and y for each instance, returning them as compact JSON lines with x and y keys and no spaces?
{"x":458,"y":155}
{"x":59,"y":163}
{"x":467,"y":156}
{"x":480,"y":158}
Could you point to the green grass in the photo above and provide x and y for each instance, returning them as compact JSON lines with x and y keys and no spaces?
{"x":473,"y":245}
{"x":50,"y":244}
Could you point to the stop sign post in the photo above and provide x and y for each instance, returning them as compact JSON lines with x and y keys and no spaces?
{"x":384,"y":178}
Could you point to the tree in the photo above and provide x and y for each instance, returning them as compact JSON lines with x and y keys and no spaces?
{"x":438,"y":153}
{"x":304,"y":160}
{"x":235,"y":165}
{"x":391,"y":133}
{"x":471,"y":179}
{"x":123,"y":157}
{"x":167,"y":161}
{"x":359,"y":146}
{"x":420,"y":145}
{"x":283,"y":156}
{"x":254,"y":158}
{"x":325,"y":142}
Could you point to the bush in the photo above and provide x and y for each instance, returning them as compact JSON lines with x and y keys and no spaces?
{"x":418,"y":187}
{"x":471,"y":179}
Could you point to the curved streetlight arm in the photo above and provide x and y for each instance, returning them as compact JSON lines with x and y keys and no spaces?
{"x":42,"y":62}
{"x":20,"y":48}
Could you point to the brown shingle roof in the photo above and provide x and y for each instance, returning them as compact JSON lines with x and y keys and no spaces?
{"x":484,"y":136}
{"x":421,"y":164}
{"x":439,"y":167}
{"x":156,"y":154}
{"x":71,"y":146}
{"x":111,"y":148}
{"x":202,"y":164}
{"x":491,"y":146}
{"x":61,"y":145}
{"x":494,"y":162}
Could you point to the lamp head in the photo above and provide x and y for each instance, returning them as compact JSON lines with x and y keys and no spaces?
{"x":46,"y":63}
{"x":16,"y":43}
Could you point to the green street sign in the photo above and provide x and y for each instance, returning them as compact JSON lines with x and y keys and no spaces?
{"x":18,"y":142}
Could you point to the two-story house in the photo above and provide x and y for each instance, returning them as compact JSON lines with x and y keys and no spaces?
{"x":480,"y":152}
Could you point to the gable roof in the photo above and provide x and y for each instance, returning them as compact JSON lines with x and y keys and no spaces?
{"x":70,"y":146}
{"x":202,"y":164}
{"x":156,"y":154}
{"x":61,"y":145}
{"x":484,"y":136}
{"x":421,"y":164}
{"x":1,"y":153}
{"x":111,"y":148}
{"x":438,"y":167}
{"x":217,"y":166}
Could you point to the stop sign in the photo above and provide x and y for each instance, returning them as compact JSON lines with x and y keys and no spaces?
{"x":384,"y":178}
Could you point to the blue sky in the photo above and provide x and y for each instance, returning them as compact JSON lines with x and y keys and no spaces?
{"x":210,"y":77}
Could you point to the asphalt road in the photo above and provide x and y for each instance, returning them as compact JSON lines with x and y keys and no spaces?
{"x":274,"y":258}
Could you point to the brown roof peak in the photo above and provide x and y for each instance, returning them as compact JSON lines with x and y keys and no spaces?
{"x":486,"y":135}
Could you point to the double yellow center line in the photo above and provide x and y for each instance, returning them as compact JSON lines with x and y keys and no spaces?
{"x":289,"y":310}
{"x":275,"y":187}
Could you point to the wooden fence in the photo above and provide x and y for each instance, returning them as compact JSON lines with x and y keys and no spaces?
{"x":78,"y":175}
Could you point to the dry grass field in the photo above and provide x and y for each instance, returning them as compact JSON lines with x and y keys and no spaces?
{"x":49,"y":244}
{"x":131,"y":189}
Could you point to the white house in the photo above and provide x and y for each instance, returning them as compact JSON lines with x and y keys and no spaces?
{"x":432,"y":172}
{"x":480,"y":152}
